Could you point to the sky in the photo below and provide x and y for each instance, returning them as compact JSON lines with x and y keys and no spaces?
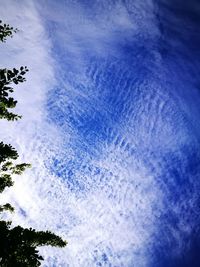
{"x":110,"y":125}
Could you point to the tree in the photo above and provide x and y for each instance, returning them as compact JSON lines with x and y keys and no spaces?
{"x":6,"y":31}
{"x":7,"y":77}
{"x":18,"y":245}
{"x":7,"y":167}
{"x":6,"y":207}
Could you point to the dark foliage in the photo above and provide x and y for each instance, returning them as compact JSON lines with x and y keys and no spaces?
{"x":7,"y":152}
{"x":8,"y":77}
{"x":18,"y":245}
{"x":6,"y":207}
{"x":7,"y":168}
{"x":6,"y":31}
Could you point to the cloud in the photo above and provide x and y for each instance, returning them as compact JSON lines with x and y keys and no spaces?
{"x":95,"y":29}
{"x":29,"y":47}
{"x":96,"y":222}
{"x":102,"y":211}
{"x":88,"y":127}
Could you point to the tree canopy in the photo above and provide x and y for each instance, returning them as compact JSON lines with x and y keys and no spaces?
{"x":18,"y":245}
{"x":7,"y":167}
{"x":7,"y":77}
{"x":6,"y":31}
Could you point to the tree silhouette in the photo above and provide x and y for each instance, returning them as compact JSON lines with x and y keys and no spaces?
{"x":7,"y":77}
{"x":18,"y":245}
{"x":7,"y":152}
{"x":7,"y":167}
{"x":6,"y":31}
{"x":6,"y":207}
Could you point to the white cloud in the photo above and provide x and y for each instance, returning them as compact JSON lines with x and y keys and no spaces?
{"x":96,"y":28}
{"x":29,"y":47}
{"x":113,"y":215}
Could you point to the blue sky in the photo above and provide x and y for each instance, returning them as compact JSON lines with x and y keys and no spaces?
{"x":110,"y":124}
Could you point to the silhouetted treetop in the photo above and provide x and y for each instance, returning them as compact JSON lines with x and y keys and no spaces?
{"x":18,"y":245}
{"x":6,"y":31}
{"x":6,"y":207}
{"x":7,"y":152}
{"x":7,"y":167}
{"x":7,"y":77}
